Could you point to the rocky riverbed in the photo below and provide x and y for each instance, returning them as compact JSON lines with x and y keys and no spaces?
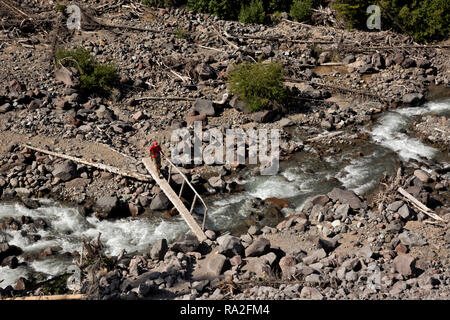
{"x":354,"y":235}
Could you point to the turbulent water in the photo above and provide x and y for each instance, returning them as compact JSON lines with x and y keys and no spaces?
{"x":297,"y":180}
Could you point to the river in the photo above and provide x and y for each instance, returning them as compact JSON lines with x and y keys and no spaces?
{"x":299,"y":178}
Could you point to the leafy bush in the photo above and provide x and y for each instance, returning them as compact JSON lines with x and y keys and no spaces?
{"x":253,"y":13}
{"x":258,"y":84}
{"x":224,"y":9}
{"x":95,"y":78}
{"x":163,"y":3}
{"x":425,"y":20}
{"x":301,"y":10}
{"x":231,"y":9}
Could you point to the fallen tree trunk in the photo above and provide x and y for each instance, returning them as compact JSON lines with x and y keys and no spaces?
{"x":54,"y":297}
{"x":419,"y":205}
{"x":121,"y":172}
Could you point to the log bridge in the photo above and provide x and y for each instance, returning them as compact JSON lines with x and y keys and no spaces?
{"x":176,"y":198}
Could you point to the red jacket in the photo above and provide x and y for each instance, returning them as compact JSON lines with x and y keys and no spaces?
{"x":155,"y":151}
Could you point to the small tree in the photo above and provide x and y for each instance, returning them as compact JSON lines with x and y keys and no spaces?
{"x":95,"y":77}
{"x":253,"y":13}
{"x":258,"y":84}
{"x":301,"y":10}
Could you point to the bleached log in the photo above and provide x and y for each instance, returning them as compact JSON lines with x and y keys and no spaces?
{"x":101,"y":166}
{"x":419,"y":205}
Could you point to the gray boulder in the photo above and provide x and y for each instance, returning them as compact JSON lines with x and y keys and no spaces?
{"x":204,"y":106}
{"x":230,"y":246}
{"x":66,"y":170}
{"x":160,"y":202}
{"x":347,"y":196}
{"x":159,"y":249}
{"x":258,"y":247}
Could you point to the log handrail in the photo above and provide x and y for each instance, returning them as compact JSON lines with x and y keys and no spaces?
{"x":196,"y":194}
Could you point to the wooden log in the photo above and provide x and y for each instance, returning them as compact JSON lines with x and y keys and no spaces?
{"x":115,"y":170}
{"x":165,"y":98}
{"x":419,"y":205}
{"x":54,"y":297}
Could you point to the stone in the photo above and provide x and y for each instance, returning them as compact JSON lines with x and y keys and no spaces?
{"x":65,"y":171}
{"x":160,"y":202}
{"x":313,"y":278}
{"x":159,"y":250}
{"x":412,"y":98}
{"x":263,"y":116}
{"x":254,"y":230}
{"x":422,"y":175}
{"x":310,"y":293}
{"x":349,"y":59}
{"x":258,"y":247}
{"x":230,"y":246}
{"x":324,"y":57}
{"x":12,"y":262}
{"x":365,"y":252}
{"x":199,"y":285}
{"x":412,"y":239}
{"x":203,"y":106}
{"x":5,"y":108}
{"x":107,"y":206}
{"x":236,"y":261}
{"x":315,"y":256}
{"x":342,"y":211}
{"x":404,"y":212}
{"x":215,"y":265}
{"x":204,"y":71}
{"x":286,"y":265}
{"x":285,"y":122}
{"x":346,"y":196}
{"x":216,"y":182}
{"x":327,"y":244}
{"x":66,"y":76}
{"x":394,"y":206}
{"x":405,"y":265}
{"x":401,"y":249}
{"x":320,"y":199}
{"x":325,"y":124}
{"x":186,"y":243}
{"x":211,"y":235}
{"x":239,"y":105}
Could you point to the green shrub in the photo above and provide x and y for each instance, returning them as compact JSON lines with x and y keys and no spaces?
{"x":163,"y":3}
{"x":95,"y":78}
{"x":230,"y":9}
{"x":258,"y":84}
{"x":253,"y":13}
{"x":301,"y":10}
{"x":424,"y":20}
{"x":60,"y":7}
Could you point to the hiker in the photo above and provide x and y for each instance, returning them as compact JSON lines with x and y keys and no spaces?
{"x":155,"y":153}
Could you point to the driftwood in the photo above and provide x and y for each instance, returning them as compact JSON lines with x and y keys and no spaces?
{"x":419,"y":205}
{"x":340,"y":89}
{"x":166,"y":98}
{"x":320,"y":137}
{"x":54,"y":297}
{"x":121,"y":172}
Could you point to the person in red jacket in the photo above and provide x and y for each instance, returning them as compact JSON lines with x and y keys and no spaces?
{"x":155,"y":154}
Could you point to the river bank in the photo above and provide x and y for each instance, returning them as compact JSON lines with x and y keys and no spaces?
{"x":329,"y":140}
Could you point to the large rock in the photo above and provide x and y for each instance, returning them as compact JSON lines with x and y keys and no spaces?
{"x":346,"y":196}
{"x":216,"y":182}
{"x":422,"y":175}
{"x":239,"y":105}
{"x":160,"y":202}
{"x":204,"y":71}
{"x":107,"y":206}
{"x":259,"y":247}
{"x":66,"y":76}
{"x":186,"y":243}
{"x":5,"y":108}
{"x":66,"y":170}
{"x":159,"y":249}
{"x":204,"y":106}
{"x":263,"y":116}
{"x":287,"y":264}
{"x":412,"y":239}
{"x":412,"y":98}
{"x":214,"y":265}
{"x":311,"y":293}
{"x":7,"y":250}
{"x":405,"y":265}
{"x":230,"y":246}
